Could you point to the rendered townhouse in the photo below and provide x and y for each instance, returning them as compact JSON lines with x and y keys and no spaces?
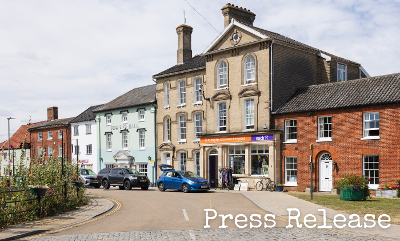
{"x":17,"y":147}
{"x":84,"y":132}
{"x":214,"y":109}
{"x":52,"y":137}
{"x":353,"y":127}
{"x":126,"y":132}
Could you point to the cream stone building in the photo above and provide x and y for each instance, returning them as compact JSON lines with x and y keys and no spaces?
{"x":214,"y":109}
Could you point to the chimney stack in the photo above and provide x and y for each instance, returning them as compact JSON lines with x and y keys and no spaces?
{"x":240,"y":14}
{"x":52,"y":113}
{"x":184,"y":52}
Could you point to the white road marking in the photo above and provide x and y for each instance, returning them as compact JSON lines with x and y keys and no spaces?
{"x":185,"y":214}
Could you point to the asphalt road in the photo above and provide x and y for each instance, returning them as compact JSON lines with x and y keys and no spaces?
{"x":170,"y":210}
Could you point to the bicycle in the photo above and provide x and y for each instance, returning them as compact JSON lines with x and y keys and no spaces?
{"x":266,"y":183}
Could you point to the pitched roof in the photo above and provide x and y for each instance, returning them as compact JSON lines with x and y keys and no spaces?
{"x":87,"y":115}
{"x":193,"y":63}
{"x":57,"y":122}
{"x":368,"y":91}
{"x":138,"y":96}
{"x":18,"y":137}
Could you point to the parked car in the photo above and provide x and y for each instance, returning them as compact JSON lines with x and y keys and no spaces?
{"x":89,"y":178}
{"x":164,"y":167}
{"x":124,"y":178}
{"x":182,"y":180}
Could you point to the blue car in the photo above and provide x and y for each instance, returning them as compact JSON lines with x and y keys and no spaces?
{"x":182,"y":180}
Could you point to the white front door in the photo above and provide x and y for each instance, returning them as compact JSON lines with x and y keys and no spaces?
{"x":325,"y":173}
{"x":167,"y":159}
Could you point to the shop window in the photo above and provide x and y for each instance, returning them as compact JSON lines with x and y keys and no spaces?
{"x":182,"y":128}
{"x":222,"y":116}
{"x":237,"y":160}
{"x":197,"y":91}
{"x":197,"y":125}
{"x":371,"y":125}
{"x":222,"y":75}
{"x":167,"y":133}
{"x":259,"y":160}
{"x":142,"y":168}
{"x":182,"y":161}
{"x":371,"y":170}
{"x":249,"y":70}
{"x":291,"y":170}
{"x":197,"y":163}
{"x":325,"y":128}
{"x":249,"y":114}
{"x":290,"y":130}
{"x":166,"y":89}
{"x":341,"y":72}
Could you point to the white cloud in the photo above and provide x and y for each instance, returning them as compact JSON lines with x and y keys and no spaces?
{"x":73,"y":54}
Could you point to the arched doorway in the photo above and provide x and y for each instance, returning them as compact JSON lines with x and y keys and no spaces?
{"x":325,"y":172}
{"x":213,"y":168}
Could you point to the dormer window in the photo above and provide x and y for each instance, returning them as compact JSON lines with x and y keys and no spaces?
{"x":222,"y":75}
{"x":341,"y":72}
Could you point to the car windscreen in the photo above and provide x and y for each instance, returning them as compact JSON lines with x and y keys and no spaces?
{"x":189,"y":174}
{"x":130,"y":171}
{"x":90,"y":172}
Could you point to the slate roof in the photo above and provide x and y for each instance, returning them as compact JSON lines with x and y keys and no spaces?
{"x":360,"y":92}
{"x":18,"y":137}
{"x":57,"y":122}
{"x":138,"y":96}
{"x":87,"y":115}
{"x":193,"y":63}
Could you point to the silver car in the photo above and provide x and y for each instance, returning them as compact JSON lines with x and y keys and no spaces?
{"x":89,"y":178}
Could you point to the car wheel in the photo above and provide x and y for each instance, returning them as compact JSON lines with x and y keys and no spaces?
{"x":127,"y":185}
{"x":97,"y":185}
{"x":106,"y":184}
{"x":161,"y":187}
{"x":145,"y":188}
{"x":185,"y":188}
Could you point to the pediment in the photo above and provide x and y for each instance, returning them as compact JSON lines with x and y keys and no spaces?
{"x":249,"y":91}
{"x":122,"y":154}
{"x":167,"y":146}
{"x":221,"y":95}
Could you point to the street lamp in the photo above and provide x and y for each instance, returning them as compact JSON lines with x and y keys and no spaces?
{"x":8,"y":119}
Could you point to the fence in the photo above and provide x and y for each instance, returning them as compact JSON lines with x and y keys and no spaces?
{"x":31,"y":203}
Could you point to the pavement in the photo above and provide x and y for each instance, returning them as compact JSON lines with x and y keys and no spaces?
{"x":273,"y":202}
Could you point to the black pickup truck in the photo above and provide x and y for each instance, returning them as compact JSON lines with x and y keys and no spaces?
{"x":124,"y":178}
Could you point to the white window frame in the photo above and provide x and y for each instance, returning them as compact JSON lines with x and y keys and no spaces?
{"x":166,"y":91}
{"x":323,"y":123}
{"x":182,"y":128}
{"x":372,"y":161}
{"x":50,"y":135}
{"x":108,"y":142}
{"x":142,"y":168}
{"x":249,"y":114}
{"x":88,"y":128}
{"x":60,"y":151}
{"x":39,"y":150}
{"x":344,"y":72}
{"x":182,"y":92}
{"x":198,"y":98}
{"x":142,"y":140}
{"x":222,"y":76}
{"x":108,"y":119}
{"x":249,"y":68}
{"x":125,"y":140}
{"x":288,"y":131}
{"x":60,"y":134}
{"x":40,"y":136}
{"x":124,"y":117}
{"x":182,"y":161}
{"x":89,"y":149}
{"x":49,"y":151}
{"x":221,"y":118}
{"x":141,"y":114}
{"x":76,"y":130}
{"x":197,"y":163}
{"x":167,"y":130}
{"x":198,"y":125}
{"x":366,"y":122}
{"x":291,"y":158}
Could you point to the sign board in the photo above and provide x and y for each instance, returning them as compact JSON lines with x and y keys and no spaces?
{"x":84,"y":161}
{"x":237,"y":187}
{"x":268,"y":137}
{"x":244,"y":186}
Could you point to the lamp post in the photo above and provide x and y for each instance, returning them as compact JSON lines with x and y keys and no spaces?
{"x":8,"y":119}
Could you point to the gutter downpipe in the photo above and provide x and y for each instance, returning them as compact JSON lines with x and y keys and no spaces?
{"x":271,"y":99}
{"x":155,"y":142}
{"x":98,"y":144}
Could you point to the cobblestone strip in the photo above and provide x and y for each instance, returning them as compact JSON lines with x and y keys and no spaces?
{"x":221,"y":234}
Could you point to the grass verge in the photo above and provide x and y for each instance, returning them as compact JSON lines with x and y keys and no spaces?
{"x":373,"y":205}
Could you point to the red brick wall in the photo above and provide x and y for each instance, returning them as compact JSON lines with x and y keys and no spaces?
{"x":346,"y":148}
{"x":44,"y":143}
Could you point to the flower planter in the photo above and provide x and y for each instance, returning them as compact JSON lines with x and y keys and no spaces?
{"x":41,"y":192}
{"x":279,"y":188}
{"x":387,"y":193}
{"x":353,"y":194}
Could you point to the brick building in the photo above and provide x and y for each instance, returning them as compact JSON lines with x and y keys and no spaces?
{"x":353,"y":126}
{"x":214,"y":108}
{"x":51,"y":137}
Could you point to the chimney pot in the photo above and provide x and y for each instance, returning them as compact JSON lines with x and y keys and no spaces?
{"x":184,"y":52}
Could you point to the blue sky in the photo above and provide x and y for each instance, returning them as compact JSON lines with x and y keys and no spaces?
{"x":74,"y":54}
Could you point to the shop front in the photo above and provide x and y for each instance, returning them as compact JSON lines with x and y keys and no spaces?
{"x":240,"y":158}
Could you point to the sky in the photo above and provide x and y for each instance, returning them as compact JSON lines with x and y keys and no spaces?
{"x":74,"y":54}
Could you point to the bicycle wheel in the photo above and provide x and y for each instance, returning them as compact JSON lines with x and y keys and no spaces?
{"x":259,"y":186}
{"x":271,"y":187}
